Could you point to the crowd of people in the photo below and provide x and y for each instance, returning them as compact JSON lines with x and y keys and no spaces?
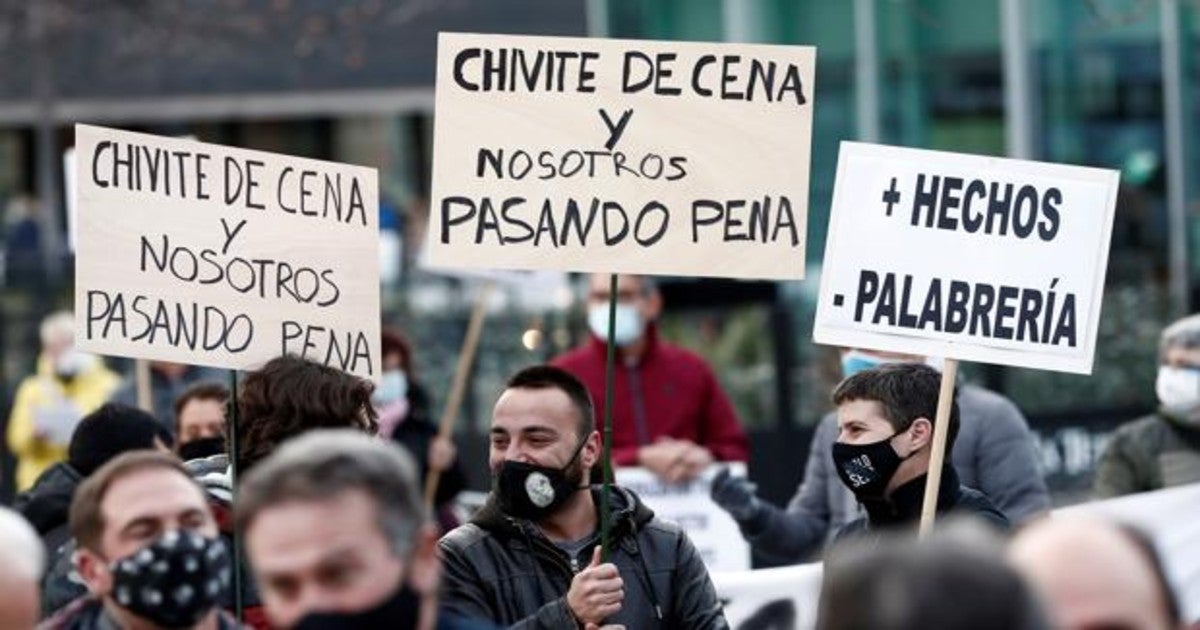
{"x":315,"y":516}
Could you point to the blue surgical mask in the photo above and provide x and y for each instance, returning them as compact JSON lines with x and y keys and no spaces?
{"x":393,"y":386}
{"x":854,"y":362}
{"x":628,"y":323}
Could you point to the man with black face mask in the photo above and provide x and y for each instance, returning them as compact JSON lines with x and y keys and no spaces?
{"x":885,"y":432}
{"x":337,"y":533}
{"x":148,"y":550}
{"x":531,"y":558}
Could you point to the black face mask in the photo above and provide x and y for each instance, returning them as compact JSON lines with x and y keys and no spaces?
{"x":401,"y":611}
{"x":867,"y":468}
{"x":534,"y":492}
{"x":175,"y":581}
{"x":202,"y":448}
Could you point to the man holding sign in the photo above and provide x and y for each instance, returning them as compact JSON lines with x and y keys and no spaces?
{"x":885,"y":432}
{"x":531,"y":557}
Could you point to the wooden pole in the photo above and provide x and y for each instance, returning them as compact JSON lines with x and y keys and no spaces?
{"x":937,"y":454}
{"x":458,"y":386}
{"x":145,"y":396}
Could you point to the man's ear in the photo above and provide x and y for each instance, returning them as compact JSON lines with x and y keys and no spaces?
{"x":591,"y":452}
{"x":94,"y":571}
{"x":424,"y":574}
{"x":921,"y":431}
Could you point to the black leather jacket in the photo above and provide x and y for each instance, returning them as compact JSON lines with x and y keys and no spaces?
{"x":904,"y":507}
{"x":500,"y":568}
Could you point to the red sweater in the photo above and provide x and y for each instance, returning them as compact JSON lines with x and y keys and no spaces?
{"x":671,"y":392}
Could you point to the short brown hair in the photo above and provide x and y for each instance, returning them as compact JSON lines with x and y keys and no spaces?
{"x":208,"y":390}
{"x":86,"y":519}
{"x":553,"y":377}
{"x":905,"y":391}
{"x":289,"y":396}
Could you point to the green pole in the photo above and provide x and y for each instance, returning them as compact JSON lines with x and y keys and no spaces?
{"x":233,"y":479}
{"x":610,"y":373}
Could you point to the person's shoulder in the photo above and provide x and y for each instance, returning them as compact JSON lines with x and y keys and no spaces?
{"x":581,"y":357}
{"x":975,"y":401}
{"x":658,"y":527}
{"x":80,"y":613}
{"x":854,"y":529}
{"x":975,"y":502}
{"x":462,"y":538}
{"x":1151,"y":428}
{"x":583,"y":361}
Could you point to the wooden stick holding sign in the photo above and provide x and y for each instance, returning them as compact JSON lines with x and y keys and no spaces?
{"x":458,"y":386}
{"x":937,"y":455}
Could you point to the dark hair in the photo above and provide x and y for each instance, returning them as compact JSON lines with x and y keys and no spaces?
{"x":200,"y":391}
{"x":394,"y":341}
{"x":86,"y":518}
{"x":290,"y":395}
{"x":1145,"y":547}
{"x":906,"y":391}
{"x":905,"y":584}
{"x":323,"y":464}
{"x":550,"y":377}
{"x":109,"y":431}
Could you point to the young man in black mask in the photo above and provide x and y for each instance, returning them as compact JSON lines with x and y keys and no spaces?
{"x":885,"y":434}
{"x":337,"y":533}
{"x":531,"y":558}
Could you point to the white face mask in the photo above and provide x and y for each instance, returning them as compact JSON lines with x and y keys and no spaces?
{"x":1178,"y":389}
{"x":74,"y":362}
{"x":628,"y":322}
{"x":393,"y":386}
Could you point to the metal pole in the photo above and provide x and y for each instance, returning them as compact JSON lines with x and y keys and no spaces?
{"x":866,"y":71}
{"x":1175,"y":129}
{"x":1019,"y":120}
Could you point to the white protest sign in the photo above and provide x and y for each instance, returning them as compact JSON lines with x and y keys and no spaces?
{"x":966,"y":257}
{"x":211,"y":255}
{"x":711,"y":529}
{"x":597,"y":155}
{"x":771,"y":599}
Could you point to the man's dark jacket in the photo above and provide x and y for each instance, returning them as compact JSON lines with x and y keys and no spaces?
{"x":903,"y":508}
{"x":504,"y":569}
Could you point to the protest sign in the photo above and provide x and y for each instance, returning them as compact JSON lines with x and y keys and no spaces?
{"x":788,"y":597}
{"x":714,"y":532}
{"x":966,"y":257}
{"x":621,"y":156}
{"x":211,"y":255}
{"x":779,"y":599}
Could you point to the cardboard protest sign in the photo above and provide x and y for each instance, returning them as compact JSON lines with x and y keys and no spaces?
{"x":711,"y":529}
{"x":578,"y":154}
{"x":966,"y":257}
{"x":211,"y":255}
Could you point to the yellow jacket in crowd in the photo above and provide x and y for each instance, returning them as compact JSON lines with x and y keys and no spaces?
{"x":39,"y":399}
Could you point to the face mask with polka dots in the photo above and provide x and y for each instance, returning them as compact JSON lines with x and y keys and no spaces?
{"x":174,"y":581}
